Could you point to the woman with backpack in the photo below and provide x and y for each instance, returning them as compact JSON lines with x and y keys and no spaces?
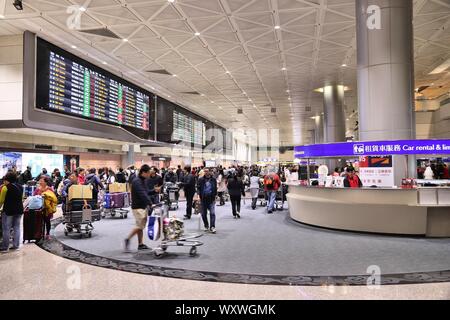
{"x":45,"y":190}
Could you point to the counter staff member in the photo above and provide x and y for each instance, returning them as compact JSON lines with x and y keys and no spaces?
{"x":352,"y":180}
{"x":140,"y":201}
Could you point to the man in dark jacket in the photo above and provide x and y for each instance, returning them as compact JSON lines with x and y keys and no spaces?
{"x":154,"y":186}
{"x":170,"y":176}
{"x":236,"y":188}
{"x":207,"y":191}
{"x":120,"y":176}
{"x":27,"y":176}
{"x":11,"y":199}
{"x":188,"y":184}
{"x":140,"y":201}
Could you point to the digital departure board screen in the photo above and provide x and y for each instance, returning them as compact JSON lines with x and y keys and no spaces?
{"x":188,"y":129}
{"x":70,"y":85}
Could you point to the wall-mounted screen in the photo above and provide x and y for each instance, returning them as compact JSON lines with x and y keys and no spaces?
{"x":188,"y":129}
{"x":67,"y":84}
{"x":38,"y":161}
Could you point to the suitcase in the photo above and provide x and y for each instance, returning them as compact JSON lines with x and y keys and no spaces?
{"x":107,"y":201}
{"x":118,"y":200}
{"x":78,"y":204}
{"x":33,"y":225}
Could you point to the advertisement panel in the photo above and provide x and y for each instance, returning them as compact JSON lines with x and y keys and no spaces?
{"x":376,"y":171}
{"x":9,"y":160}
{"x":373,"y":148}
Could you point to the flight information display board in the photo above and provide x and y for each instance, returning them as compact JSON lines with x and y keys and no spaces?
{"x":188,"y":129}
{"x":72,"y":86}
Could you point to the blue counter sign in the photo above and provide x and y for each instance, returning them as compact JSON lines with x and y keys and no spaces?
{"x":374,"y":148}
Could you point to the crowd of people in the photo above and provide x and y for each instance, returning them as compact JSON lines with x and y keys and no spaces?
{"x":202,"y":188}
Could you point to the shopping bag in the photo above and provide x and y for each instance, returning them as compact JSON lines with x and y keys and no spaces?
{"x":87,"y":213}
{"x":153,"y":227}
{"x":197,"y":207}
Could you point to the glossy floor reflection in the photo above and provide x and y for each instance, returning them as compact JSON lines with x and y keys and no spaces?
{"x":33,"y":273}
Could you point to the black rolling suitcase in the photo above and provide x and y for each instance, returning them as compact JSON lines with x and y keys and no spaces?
{"x":33,"y":225}
{"x":78,"y":204}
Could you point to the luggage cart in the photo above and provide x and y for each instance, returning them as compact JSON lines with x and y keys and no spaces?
{"x":113,"y":206}
{"x":280,"y":198}
{"x":262,"y":195}
{"x":171,"y":194}
{"x":80,"y":222}
{"x":170,"y":238}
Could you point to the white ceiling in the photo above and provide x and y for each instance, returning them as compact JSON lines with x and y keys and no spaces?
{"x":237,"y":36}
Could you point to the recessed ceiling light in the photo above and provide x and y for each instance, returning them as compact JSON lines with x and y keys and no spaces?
{"x":227,"y":72}
{"x":243,"y":92}
{"x":212,"y":101}
{"x":197,"y":33}
{"x":125,"y":40}
{"x":277,"y":27}
{"x":2,"y":16}
{"x":288,"y":90}
{"x":250,"y":100}
{"x":283,"y":69}
{"x":174,"y":75}
{"x":171,"y":1}
{"x":202,"y":95}
{"x":344,"y":65}
{"x":104,"y":62}
{"x":73,"y":47}
{"x":82,"y":9}
{"x":168,"y":96}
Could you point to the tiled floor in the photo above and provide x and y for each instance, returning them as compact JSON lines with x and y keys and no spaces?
{"x":33,"y":273}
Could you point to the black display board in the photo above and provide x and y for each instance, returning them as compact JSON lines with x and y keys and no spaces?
{"x":180,"y":126}
{"x":70,"y":85}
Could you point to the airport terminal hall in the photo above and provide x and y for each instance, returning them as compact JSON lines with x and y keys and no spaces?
{"x":196,"y":150}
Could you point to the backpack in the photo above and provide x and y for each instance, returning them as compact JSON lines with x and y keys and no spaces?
{"x":35,"y":203}
{"x":50,"y":202}
{"x":269,"y":182}
{"x":120,"y":177}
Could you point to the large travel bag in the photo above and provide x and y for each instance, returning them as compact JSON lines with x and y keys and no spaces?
{"x":78,"y":204}
{"x":33,"y":225}
{"x":118,"y":200}
{"x":107,"y":201}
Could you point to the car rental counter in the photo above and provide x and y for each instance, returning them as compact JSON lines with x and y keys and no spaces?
{"x":422,"y":211}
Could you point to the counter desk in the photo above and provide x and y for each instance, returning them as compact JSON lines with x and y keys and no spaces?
{"x":421,"y":211}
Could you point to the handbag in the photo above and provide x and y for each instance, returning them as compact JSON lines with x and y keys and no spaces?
{"x":87,"y":213}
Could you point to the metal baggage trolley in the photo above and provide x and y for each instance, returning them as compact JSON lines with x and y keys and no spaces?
{"x":280,"y":198}
{"x":262,"y":195}
{"x":170,"y":237}
{"x":171,"y":193}
{"x":80,"y":221}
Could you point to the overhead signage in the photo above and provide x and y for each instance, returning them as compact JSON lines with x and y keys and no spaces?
{"x":373,"y":148}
